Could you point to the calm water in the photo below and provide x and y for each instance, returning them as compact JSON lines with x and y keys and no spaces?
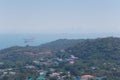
{"x":8,"y":40}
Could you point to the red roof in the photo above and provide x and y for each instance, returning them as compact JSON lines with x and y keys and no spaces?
{"x":87,"y":76}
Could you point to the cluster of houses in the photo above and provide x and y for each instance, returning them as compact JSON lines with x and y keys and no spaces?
{"x":51,"y":72}
{"x":54,"y":61}
{"x":59,"y":77}
{"x":8,"y":71}
{"x":90,"y":77}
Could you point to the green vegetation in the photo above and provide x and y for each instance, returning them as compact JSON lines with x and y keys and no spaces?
{"x":98,"y":57}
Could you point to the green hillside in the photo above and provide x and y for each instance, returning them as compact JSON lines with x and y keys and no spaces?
{"x":98,"y":57}
{"x":102,"y":54}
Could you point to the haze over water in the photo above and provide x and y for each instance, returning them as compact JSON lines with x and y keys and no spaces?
{"x":8,"y":40}
{"x":57,"y":19}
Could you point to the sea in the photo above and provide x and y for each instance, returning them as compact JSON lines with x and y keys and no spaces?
{"x":9,"y":40}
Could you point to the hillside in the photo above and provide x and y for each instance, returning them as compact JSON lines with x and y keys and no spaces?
{"x":98,"y":57}
{"x":60,"y":44}
{"x":106,"y":48}
{"x":102,"y":54}
{"x":18,"y":53}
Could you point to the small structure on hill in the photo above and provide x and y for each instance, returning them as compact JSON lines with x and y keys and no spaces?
{"x":41,"y":77}
{"x":87,"y":77}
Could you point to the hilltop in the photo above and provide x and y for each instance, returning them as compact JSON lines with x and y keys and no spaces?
{"x":60,"y":44}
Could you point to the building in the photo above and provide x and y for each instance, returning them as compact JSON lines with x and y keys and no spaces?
{"x":87,"y":77}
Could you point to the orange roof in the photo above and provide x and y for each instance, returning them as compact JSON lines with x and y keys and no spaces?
{"x":87,"y":76}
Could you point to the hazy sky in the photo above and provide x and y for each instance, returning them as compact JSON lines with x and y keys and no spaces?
{"x":59,"y":16}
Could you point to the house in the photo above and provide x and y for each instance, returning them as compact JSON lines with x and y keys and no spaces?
{"x":52,"y":69}
{"x":30,"y":67}
{"x":12,"y":73}
{"x":5,"y":73}
{"x":59,"y":59}
{"x":71,"y":62}
{"x":87,"y":77}
{"x":41,"y":78}
{"x":1,"y":63}
{"x":30,"y":78}
{"x":9,"y":69}
{"x":54,"y":74}
{"x":93,"y":68}
{"x":42,"y":72}
{"x":47,"y":52}
{"x":36,"y":62}
{"x":73,"y":57}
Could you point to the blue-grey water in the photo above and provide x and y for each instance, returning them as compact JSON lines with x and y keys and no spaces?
{"x":8,"y":40}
